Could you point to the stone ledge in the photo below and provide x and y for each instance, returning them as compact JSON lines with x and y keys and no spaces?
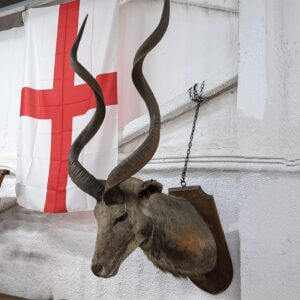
{"x":214,"y":86}
{"x":6,"y":203}
{"x":231,"y":6}
{"x":221,"y":164}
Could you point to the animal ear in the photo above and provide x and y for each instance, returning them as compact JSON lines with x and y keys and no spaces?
{"x":150,"y":187}
{"x":116,"y":196}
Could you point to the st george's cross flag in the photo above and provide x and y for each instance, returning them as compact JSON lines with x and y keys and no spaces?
{"x":56,"y":104}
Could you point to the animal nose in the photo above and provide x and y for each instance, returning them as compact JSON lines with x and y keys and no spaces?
{"x":97,"y":269}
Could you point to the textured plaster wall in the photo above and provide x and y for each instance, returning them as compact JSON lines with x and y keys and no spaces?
{"x":269,"y":122}
{"x":257,"y":131}
{"x":246,"y":153}
{"x":269,"y":77}
{"x":270,"y":237}
{"x":177,"y":62}
{"x":40,"y":262}
{"x":216,"y":132}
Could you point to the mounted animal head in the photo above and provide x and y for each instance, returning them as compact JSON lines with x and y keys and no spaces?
{"x":132,"y":213}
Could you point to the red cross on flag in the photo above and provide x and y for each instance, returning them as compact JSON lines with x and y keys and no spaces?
{"x":56,"y":104}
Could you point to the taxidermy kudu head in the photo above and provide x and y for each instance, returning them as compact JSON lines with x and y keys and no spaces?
{"x":132,"y":213}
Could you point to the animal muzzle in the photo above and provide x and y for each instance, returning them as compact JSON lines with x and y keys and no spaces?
{"x":101,"y":271}
{"x":104,"y":264}
{"x":97,"y":269}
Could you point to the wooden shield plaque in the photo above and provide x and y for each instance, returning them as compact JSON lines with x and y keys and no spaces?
{"x":220,"y":277}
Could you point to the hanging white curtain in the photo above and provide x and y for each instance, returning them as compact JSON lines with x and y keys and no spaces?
{"x":11,"y":78}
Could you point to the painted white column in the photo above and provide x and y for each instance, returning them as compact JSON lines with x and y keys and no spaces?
{"x":268,"y":110}
{"x":269,"y":85}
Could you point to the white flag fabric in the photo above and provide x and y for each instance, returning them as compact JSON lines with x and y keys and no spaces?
{"x":56,"y":104}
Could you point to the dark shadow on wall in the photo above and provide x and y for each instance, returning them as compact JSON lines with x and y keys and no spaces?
{"x":233,"y":242}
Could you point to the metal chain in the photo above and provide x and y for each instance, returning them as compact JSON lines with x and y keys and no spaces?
{"x":194,"y":96}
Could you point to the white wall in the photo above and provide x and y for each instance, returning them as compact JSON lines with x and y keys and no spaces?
{"x":177,"y":62}
{"x":12,"y":51}
{"x":245,"y":153}
{"x":249,"y":142}
{"x":269,"y":79}
{"x":50,"y":250}
{"x":269,"y":123}
{"x":40,"y":262}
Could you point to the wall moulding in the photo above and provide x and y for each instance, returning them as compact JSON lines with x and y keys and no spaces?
{"x":230,"y":6}
{"x":219,"y":163}
{"x":27,"y":4}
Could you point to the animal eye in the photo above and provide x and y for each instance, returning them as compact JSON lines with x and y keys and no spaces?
{"x":121,"y":218}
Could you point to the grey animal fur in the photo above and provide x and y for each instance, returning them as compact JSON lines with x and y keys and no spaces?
{"x":169,"y":230}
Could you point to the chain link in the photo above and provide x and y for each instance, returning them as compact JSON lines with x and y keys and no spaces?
{"x":194,"y":96}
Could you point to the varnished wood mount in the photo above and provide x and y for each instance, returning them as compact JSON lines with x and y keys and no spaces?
{"x":219,"y":279}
